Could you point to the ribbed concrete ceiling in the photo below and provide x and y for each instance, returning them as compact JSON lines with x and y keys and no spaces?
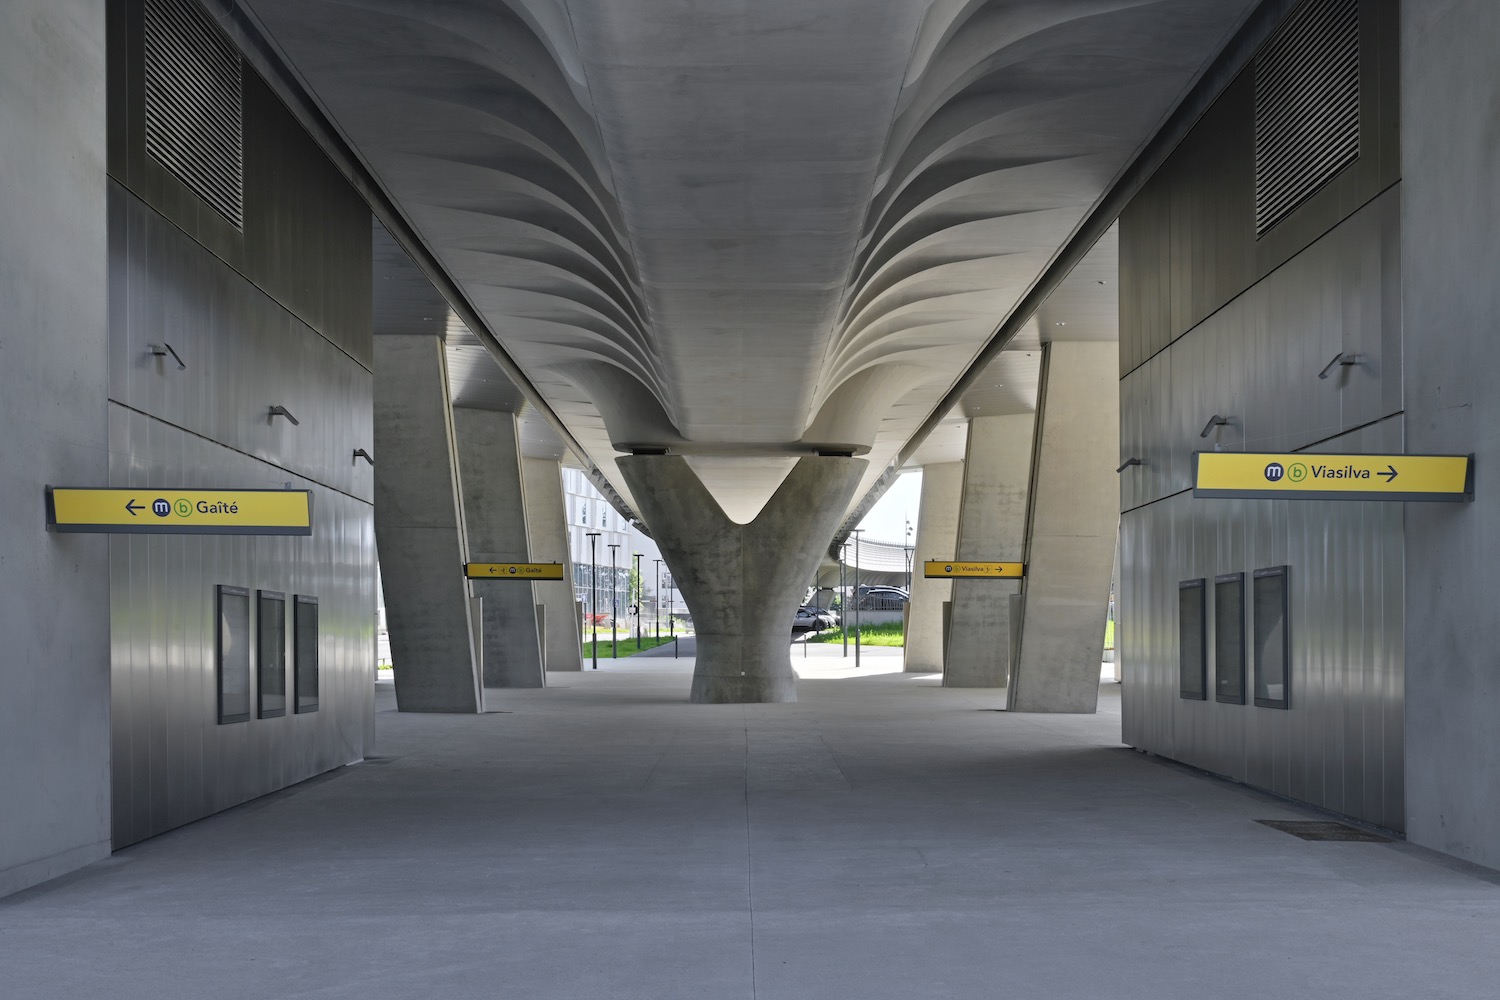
{"x":745,"y":230}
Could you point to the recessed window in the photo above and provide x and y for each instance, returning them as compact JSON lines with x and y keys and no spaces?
{"x":1192,"y":640}
{"x":233,"y":654}
{"x":1273,"y":682}
{"x":270,"y":654}
{"x":1229,"y":638}
{"x":305,"y":652}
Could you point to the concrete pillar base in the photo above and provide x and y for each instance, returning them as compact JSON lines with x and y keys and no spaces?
{"x":742,"y":582}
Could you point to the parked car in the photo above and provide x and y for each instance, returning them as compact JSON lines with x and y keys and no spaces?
{"x":882,"y":598}
{"x":813,"y":620}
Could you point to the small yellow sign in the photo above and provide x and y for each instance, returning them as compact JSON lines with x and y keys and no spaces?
{"x":513,"y":571}
{"x":180,"y":512}
{"x":1300,"y":476}
{"x":938,"y":569}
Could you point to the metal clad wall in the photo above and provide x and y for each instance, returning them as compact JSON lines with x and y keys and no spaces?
{"x":276,"y":315}
{"x":1255,"y":359}
{"x":1188,"y":243}
{"x":306,"y":239}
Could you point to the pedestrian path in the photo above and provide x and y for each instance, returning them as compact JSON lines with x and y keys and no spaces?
{"x":883,"y":838}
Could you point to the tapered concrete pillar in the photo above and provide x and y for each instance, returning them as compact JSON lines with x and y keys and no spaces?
{"x":419,"y":529}
{"x":547,"y":531}
{"x":1075,"y":520}
{"x":991,"y":527}
{"x":494,"y":505}
{"x":937,"y":538}
{"x":742,"y":582}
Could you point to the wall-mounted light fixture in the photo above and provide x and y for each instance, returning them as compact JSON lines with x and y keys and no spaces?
{"x":282,"y":411}
{"x":164,"y":349}
{"x":1132,"y":460}
{"x":1213,"y":421}
{"x":1339,"y":360}
{"x":360,"y":453}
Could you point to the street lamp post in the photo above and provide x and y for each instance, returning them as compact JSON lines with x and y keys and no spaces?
{"x":844,"y":595}
{"x":856,"y":533}
{"x":593,"y":537}
{"x":909,"y":551}
{"x":638,"y":597}
{"x":614,"y":600}
{"x":671,"y":606}
{"x":656,"y":600}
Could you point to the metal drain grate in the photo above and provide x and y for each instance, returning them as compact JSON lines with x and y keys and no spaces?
{"x":1316,"y":829}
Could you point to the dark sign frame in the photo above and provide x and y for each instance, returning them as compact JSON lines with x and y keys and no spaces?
{"x":1229,"y":650}
{"x":1277,"y":604}
{"x":305,"y":665}
{"x":270,"y":654}
{"x":1185,"y":667}
{"x":233,"y":702}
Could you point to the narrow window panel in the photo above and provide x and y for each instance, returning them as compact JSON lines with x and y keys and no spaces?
{"x":270,"y":654}
{"x":1273,"y":680}
{"x":1229,"y":638}
{"x":233,"y":654}
{"x":1192,"y":640}
{"x":305,"y":653}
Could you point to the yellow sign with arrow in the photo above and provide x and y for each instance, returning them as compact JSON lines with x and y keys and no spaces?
{"x":153,"y":511}
{"x":513,"y":571}
{"x":1300,"y":476}
{"x":953,"y":569}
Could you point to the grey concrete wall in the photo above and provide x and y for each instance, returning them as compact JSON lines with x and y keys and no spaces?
{"x":742,"y":582}
{"x":937,"y":538}
{"x":54,"y":616}
{"x":547,"y":533}
{"x":1074,"y":522}
{"x":991,"y":526}
{"x":494,"y":502}
{"x":1451,"y":310}
{"x":419,"y":529}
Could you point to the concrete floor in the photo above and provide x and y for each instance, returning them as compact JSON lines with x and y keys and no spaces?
{"x":882,"y":838}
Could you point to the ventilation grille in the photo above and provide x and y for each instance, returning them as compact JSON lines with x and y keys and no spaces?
{"x":1306,"y":107}
{"x":194,"y":117}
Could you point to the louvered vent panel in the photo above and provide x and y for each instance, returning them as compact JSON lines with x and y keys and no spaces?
{"x":1306,"y":106}
{"x":194,"y":115}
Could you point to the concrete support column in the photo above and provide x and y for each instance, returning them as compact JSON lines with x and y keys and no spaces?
{"x":937,"y":538}
{"x":1450,"y":304}
{"x":547,"y":531}
{"x":991,"y":526}
{"x":742,"y":582}
{"x":54,"y":383}
{"x":419,"y":529}
{"x":494,"y":506}
{"x":1074,"y":522}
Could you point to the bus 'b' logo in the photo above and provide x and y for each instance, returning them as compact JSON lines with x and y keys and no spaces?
{"x":1274,"y":472}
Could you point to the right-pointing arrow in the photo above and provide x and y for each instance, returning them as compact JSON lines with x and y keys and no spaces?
{"x":1390,"y":474}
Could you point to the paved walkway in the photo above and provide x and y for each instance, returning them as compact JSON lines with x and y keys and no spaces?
{"x":882,"y":838}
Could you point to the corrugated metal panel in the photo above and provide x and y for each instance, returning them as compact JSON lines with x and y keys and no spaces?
{"x":1306,"y":106}
{"x":194,"y":106}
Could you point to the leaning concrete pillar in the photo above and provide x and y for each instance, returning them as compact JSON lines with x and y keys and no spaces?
{"x":547,"y":530}
{"x":1075,"y":520}
{"x":937,"y":536}
{"x":991,"y":527}
{"x":742,"y":582}
{"x":494,"y":504}
{"x":419,"y":529}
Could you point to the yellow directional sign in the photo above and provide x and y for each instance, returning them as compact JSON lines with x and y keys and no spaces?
{"x":952,"y":569}
{"x":181,"y":512}
{"x":1332,"y":477}
{"x":513,"y":571}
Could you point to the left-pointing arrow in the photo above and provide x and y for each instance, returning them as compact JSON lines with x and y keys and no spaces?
{"x":132,"y":506}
